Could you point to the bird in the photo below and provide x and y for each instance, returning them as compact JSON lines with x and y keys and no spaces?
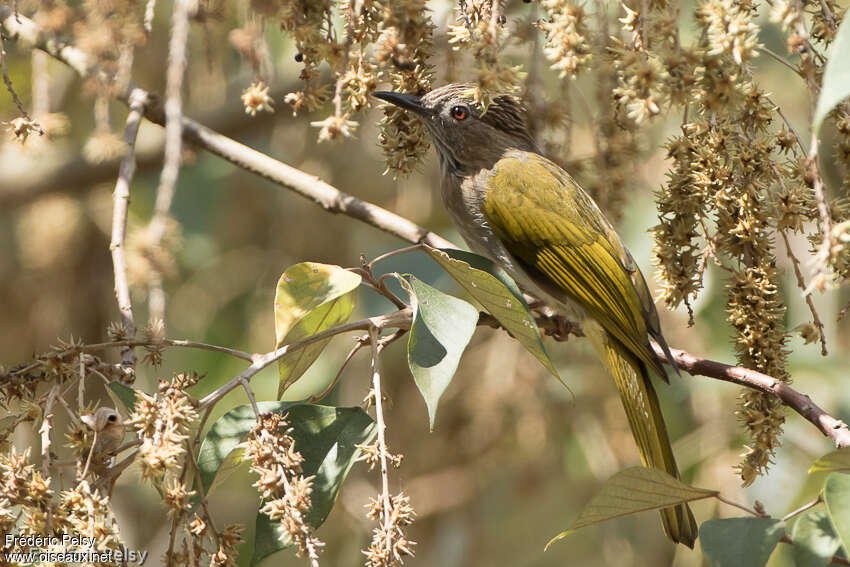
{"x":108,"y":428}
{"x":528,"y":215}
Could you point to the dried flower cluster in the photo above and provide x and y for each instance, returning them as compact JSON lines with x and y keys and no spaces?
{"x":389,"y":546}
{"x":163,"y":422}
{"x":482,"y":32}
{"x":284,"y":489}
{"x":403,"y":48}
{"x":567,"y":46}
{"x":43,"y":512}
{"x":737,"y":178}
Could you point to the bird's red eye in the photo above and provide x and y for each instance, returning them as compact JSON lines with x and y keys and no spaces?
{"x":459,"y":112}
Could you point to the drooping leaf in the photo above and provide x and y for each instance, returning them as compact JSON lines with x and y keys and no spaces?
{"x":325,"y":436}
{"x":226,"y":434}
{"x":836,"y":496}
{"x":815,"y":541}
{"x":442,"y":327}
{"x":310,"y":298}
{"x":735,"y":542}
{"x":836,"y":461}
{"x":836,"y":75}
{"x":498,"y":294}
{"x":633,"y":490}
{"x":125,"y":394}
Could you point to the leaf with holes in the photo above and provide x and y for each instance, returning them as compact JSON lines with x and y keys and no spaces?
{"x":310,"y":298}
{"x":442,"y":327}
{"x":633,"y":490}
{"x":498,"y":294}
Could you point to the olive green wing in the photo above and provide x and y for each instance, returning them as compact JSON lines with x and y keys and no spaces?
{"x":559,"y":235}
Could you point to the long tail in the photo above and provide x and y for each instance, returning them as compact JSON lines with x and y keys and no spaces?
{"x":644,"y":413}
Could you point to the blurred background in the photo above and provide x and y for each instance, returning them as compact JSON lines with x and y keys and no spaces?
{"x":514,"y":454}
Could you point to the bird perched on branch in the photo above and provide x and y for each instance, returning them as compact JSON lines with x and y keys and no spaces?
{"x":528,"y":215}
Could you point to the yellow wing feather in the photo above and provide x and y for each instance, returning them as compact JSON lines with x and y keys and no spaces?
{"x":562,"y":240}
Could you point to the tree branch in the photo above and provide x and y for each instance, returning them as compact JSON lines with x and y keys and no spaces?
{"x":121,"y":202}
{"x":335,"y":201}
{"x":801,"y":403}
{"x":323,"y":194}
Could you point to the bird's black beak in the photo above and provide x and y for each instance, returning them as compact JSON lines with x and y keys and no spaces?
{"x":406,"y":101}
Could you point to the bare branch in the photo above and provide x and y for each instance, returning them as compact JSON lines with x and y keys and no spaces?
{"x":801,"y":283}
{"x":395,"y":320}
{"x":801,"y":403}
{"x":173,"y":144}
{"x":121,"y":201}
{"x":803,"y":508}
{"x":328,"y":197}
{"x":8,"y":82}
{"x":386,"y":508}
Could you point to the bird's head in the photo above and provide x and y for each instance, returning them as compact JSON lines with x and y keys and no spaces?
{"x":467,"y":139}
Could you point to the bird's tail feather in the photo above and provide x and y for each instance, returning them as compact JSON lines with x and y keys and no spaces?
{"x":647,"y":424}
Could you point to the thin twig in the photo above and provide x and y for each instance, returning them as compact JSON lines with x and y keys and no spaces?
{"x":386,"y":508}
{"x":199,"y":486}
{"x":328,"y":197}
{"x":44,"y":430}
{"x":827,"y":14}
{"x":127,"y":343}
{"x":173,"y":143}
{"x":35,"y":125}
{"x":801,"y":403}
{"x":319,"y":397}
{"x":788,"y":123}
{"x":825,"y":252}
{"x":782,"y":60}
{"x":801,"y":283}
{"x":81,"y":386}
{"x":397,"y":319}
{"x":803,"y":508}
{"x":121,"y":202}
{"x":391,"y":253}
{"x":246,"y":385}
{"x":739,"y":506}
{"x":88,"y":459}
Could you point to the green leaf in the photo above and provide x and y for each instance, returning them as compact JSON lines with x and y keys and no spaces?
{"x":326,"y":437}
{"x":125,"y":394}
{"x":633,"y":490}
{"x":498,"y":294}
{"x":814,"y":540}
{"x":836,"y":76}
{"x":441,"y":329}
{"x":269,"y":538}
{"x":310,"y":298}
{"x":836,"y":496}
{"x":836,"y":461}
{"x":226,"y":434}
{"x":740,"y":542}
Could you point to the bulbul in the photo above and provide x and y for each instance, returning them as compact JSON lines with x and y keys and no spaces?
{"x":531,"y":218}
